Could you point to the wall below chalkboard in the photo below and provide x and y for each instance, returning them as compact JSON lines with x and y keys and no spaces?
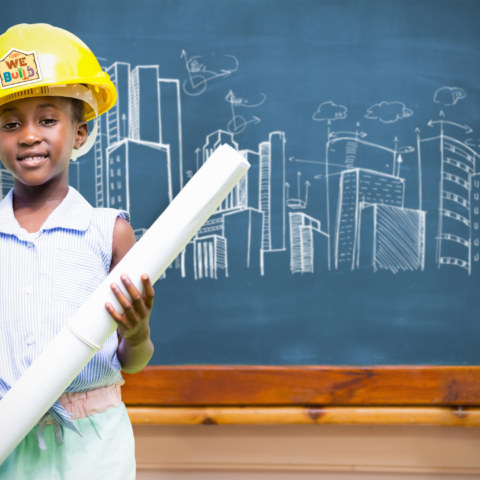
{"x":307,"y":453}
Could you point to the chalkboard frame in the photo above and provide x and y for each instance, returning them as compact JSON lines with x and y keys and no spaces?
{"x":241,"y":385}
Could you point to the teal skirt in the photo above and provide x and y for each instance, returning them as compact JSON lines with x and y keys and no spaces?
{"x":106,"y":450}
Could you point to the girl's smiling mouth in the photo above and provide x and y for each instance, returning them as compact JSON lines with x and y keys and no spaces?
{"x":32,"y":159}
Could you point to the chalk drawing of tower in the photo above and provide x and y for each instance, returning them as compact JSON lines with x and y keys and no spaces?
{"x":231,"y":239}
{"x":237,"y":197}
{"x":450,"y":167}
{"x":390,"y":238}
{"x":364,"y":193}
{"x":133,"y":134}
{"x":253,"y":175}
{"x":355,"y":188}
{"x":171,"y":128}
{"x":308,"y":244}
{"x":272,"y":191}
{"x":214,"y":140}
{"x":145,"y":118}
{"x":264,"y":194}
{"x":114,"y":127}
{"x":475,"y":235}
{"x":277,"y":191}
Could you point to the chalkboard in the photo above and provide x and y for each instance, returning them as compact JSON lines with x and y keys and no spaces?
{"x":355,"y":238}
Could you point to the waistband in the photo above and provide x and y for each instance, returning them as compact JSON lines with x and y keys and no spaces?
{"x":85,"y":404}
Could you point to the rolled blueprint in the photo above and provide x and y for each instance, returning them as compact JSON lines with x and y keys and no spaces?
{"x":61,"y":361}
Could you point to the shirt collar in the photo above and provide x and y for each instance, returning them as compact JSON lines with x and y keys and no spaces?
{"x":73,"y":213}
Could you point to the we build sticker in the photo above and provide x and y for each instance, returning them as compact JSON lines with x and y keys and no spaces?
{"x":18,"y":67}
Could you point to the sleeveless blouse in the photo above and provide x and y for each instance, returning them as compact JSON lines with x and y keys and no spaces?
{"x":45,"y":277}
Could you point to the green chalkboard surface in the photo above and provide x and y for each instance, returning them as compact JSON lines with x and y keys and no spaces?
{"x":355,"y":237}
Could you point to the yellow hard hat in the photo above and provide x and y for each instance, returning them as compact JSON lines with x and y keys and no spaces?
{"x":40,"y":59}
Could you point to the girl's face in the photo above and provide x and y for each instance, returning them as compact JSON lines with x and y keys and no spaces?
{"x":37,"y":136}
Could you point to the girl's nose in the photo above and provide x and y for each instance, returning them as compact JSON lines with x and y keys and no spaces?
{"x":30,"y":135}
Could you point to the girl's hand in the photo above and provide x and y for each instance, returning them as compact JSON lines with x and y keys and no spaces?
{"x":133,"y":323}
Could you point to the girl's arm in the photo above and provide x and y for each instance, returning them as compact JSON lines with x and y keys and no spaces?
{"x":135,"y":347}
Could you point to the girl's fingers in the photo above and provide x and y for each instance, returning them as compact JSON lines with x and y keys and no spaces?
{"x":119,"y":318}
{"x":129,"y":316}
{"x":149,"y":292}
{"x":135,"y":308}
{"x":136,"y":298}
{"x":120,"y":296}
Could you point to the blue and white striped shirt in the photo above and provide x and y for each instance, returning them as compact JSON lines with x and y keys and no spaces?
{"x":45,"y":278}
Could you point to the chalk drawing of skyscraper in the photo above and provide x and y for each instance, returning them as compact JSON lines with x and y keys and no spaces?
{"x":265,"y":193}
{"x":390,"y":238}
{"x":308,"y":244}
{"x":133,"y":134}
{"x":475,"y":235}
{"x":449,"y":168}
{"x":354,"y":188}
{"x":171,"y":128}
{"x":237,"y":198}
{"x":277,"y":191}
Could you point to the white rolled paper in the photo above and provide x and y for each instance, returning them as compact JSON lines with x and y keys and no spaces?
{"x":51,"y":373}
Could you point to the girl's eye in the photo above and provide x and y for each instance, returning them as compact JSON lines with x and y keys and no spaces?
{"x":48,"y":121}
{"x":10,"y":125}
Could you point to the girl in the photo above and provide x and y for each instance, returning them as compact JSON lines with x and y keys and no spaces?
{"x":55,"y":249}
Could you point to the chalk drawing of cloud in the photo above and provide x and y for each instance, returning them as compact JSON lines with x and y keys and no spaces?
{"x":448,"y":96}
{"x":388,"y":112}
{"x":328,"y":111}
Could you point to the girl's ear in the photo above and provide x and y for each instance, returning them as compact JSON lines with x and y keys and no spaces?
{"x":81,"y":135}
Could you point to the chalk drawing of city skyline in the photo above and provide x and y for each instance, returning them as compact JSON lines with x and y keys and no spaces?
{"x":364,"y":221}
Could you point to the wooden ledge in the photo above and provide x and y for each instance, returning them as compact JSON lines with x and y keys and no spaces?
{"x":331,"y":415}
{"x":319,"y":386}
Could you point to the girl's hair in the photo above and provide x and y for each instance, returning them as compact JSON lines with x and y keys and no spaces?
{"x":78,"y":109}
